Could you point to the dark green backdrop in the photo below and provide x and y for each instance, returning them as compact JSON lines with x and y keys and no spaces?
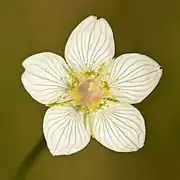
{"x":30,"y":26}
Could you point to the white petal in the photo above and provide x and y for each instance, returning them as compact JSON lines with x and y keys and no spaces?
{"x":64,"y":130}
{"x":119,"y":127}
{"x":133,"y":77}
{"x":90,"y":44}
{"x":45,"y":77}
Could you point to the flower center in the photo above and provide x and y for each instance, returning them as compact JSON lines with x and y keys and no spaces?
{"x":89,"y":93}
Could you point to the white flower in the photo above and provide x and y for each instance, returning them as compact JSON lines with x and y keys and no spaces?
{"x":90,"y":93}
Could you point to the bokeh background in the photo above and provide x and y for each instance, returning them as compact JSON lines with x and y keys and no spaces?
{"x":146,"y":26}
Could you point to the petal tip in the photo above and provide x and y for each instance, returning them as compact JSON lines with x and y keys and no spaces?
{"x":137,"y":148}
{"x":52,"y":153}
{"x":160,"y":69}
{"x":93,"y":17}
{"x":24,"y":63}
{"x":103,"y":19}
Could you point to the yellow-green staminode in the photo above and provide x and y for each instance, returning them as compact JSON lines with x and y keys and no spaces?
{"x":89,"y":94}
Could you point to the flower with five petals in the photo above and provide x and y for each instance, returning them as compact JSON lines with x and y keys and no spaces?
{"x":90,"y":92}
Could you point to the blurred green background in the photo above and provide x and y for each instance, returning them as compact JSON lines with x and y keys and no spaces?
{"x":30,"y":26}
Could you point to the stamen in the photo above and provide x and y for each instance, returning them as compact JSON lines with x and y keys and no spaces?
{"x":91,"y":92}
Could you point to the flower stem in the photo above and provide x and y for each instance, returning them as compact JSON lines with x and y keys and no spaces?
{"x":29,"y":159}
